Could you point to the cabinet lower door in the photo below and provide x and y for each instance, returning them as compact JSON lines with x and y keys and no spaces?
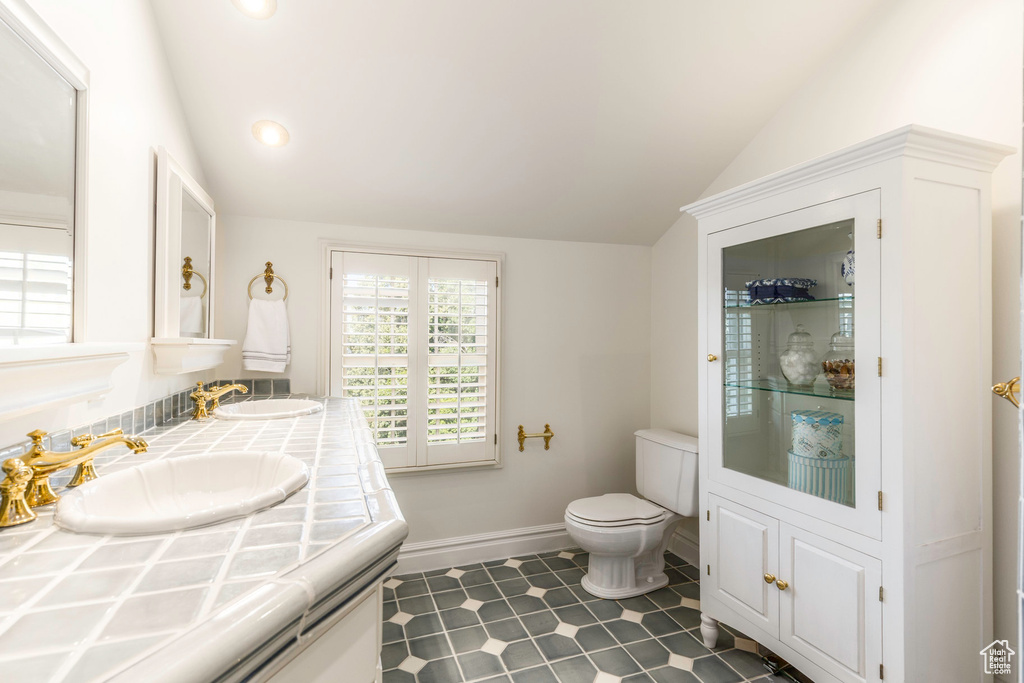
{"x":745,"y":549}
{"x":830,"y":611}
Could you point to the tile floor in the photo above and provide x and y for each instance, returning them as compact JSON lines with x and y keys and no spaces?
{"x":528,"y":620}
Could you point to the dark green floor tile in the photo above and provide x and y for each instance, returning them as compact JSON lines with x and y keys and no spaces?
{"x":521,"y":655}
{"x":540,"y":623}
{"x":560,"y":597}
{"x":479,"y":664}
{"x":440,"y":671}
{"x":676,"y":577}
{"x":690,"y":571}
{"x":660,"y":624}
{"x":389,"y":610}
{"x":638,"y":678}
{"x":714,"y":670}
{"x":541,"y":674}
{"x":450,"y":599}
{"x":524,"y":604}
{"x":484,"y":593}
{"x":411,"y":588}
{"x":559,"y":563}
{"x":664,"y":597}
{"x":684,"y":644}
{"x":674,"y":560}
{"x":458,"y":618}
{"x":442,"y":583}
{"x":571,"y":576}
{"x":423,"y":625}
{"x":581,"y":560}
{"x":393,"y":654}
{"x":513,"y":587}
{"x":497,"y":679}
{"x":392,"y":632}
{"x":575,"y":670}
{"x":746,"y":663}
{"x":605,"y":609}
{"x":638,"y":604}
{"x":726,"y":641}
{"x":436,"y":572}
{"x":577,"y":615}
{"x":476,"y":578}
{"x":467,"y":639}
{"x":555,"y":646}
{"x":670,"y":674}
{"x":582,"y":593}
{"x":650,"y":654}
{"x":421,"y":604}
{"x":396,"y":676}
{"x":494,"y":610}
{"x":430,"y":647}
{"x":502,"y":573}
{"x":410,"y":577}
{"x":388,"y":594}
{"x":508,"y":630}
{"x":547,"y":580}
{"x":533,"y":567}
{"x":684,"y":616}
{"x":688,"y":590}
{"x":595,"y":637}
{"x":626,"y":631}
{"x":615,"y":661}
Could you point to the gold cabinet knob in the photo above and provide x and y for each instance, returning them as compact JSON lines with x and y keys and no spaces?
{"x":769,"y":578}
{"x":1007,"y":390}
{"x":783,"y":585}
{"x":712,"y":358}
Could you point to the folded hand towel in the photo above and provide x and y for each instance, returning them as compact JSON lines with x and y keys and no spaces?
{"x":193,"y":317}
{"x":267,"y":346}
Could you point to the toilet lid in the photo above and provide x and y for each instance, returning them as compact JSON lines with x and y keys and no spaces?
{"x":618,"y":508}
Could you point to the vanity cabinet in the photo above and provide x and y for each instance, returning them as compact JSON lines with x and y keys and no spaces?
{"x":845,"y":360}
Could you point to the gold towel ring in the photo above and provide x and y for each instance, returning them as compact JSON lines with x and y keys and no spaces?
{"x":187,"y":271}
{"x":269,"y":277}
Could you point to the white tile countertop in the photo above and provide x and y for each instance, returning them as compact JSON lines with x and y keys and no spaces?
{"x":214,"y":603}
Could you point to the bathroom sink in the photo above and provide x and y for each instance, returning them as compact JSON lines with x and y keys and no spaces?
{"x":269,"y":409}
{"x":181,"y":493}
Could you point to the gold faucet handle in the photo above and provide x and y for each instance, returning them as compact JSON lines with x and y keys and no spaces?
{"x":37,"y":436}
{"x":14,"y":509}
{"x":85,"y":439}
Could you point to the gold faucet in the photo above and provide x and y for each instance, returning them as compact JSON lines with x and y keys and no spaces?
{"x":27,"y":482}
{"x":200,"y":397}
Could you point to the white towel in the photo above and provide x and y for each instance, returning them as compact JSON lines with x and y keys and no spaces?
{"x":267,"y":346}
{"x":193,"y":317}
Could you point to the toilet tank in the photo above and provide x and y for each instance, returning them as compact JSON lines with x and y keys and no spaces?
{"x":666,"y":469}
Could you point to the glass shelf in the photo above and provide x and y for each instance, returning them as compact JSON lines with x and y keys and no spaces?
{"x":810,"y":302}
{"x":781,"y":386}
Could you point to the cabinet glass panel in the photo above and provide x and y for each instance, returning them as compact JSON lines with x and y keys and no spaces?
{"x":788,"y":372}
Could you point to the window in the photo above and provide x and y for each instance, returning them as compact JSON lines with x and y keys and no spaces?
{"x":739,"y":367}
{"x":414,"y":338}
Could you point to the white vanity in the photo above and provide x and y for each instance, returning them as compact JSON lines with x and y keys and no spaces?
{"x":846,"y":521}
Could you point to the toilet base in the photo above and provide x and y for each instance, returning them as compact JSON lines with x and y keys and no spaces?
{"x":629,"y":592}
{"x":614,"y":576}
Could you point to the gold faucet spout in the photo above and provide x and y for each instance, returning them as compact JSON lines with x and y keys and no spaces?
{"x":203,"y":396}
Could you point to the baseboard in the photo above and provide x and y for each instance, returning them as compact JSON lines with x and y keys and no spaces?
{"x":427,"y":556}
{"x":685,"y":546}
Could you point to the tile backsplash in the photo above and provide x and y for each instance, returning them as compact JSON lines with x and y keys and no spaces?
{"x":156,"y":413}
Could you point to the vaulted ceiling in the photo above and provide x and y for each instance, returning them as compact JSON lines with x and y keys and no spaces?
{"x":589,"y":120}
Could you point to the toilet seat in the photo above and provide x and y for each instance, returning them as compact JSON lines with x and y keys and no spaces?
{"x":615,"y":510}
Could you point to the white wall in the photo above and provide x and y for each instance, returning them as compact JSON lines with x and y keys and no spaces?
{"x":133,"y":108}
{"x":576,"y":354}
{"x":952,"y":65}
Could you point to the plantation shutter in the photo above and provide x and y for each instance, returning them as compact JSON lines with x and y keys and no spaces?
{"x":35,"y":286}
{"x":415,"y":340}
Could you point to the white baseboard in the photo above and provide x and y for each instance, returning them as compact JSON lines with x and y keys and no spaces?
{"x":427,"y":556}
{"x":685,"y":546}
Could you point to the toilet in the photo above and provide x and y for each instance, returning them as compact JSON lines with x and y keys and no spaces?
{"x":627,"y":536}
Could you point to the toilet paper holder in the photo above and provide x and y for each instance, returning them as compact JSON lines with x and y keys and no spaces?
{"x":547,"y":434}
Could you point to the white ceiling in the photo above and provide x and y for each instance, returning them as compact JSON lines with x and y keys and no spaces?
{"x":589,"y":120}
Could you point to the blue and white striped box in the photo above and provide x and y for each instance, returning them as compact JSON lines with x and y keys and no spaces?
{"x":826,"y":478}
{"x":817,"y":433}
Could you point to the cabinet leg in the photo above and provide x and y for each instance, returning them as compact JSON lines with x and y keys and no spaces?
{"x":709,"y":631}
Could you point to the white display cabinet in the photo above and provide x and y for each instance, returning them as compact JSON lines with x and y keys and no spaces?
{"x":846,"y":507}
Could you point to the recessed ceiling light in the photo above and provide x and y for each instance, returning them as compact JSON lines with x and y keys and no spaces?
{"x":270,"y":133}
{"x":257,"y":9}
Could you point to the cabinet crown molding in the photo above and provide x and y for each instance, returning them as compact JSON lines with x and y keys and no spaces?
{"x":914,"y":141}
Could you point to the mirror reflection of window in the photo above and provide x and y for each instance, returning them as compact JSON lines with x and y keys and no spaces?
{"x":195,"y":244}
{"x":37,"y":197}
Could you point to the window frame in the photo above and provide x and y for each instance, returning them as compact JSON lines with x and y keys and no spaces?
{"x":327,"y":249}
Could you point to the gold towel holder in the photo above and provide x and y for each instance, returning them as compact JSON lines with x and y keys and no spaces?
{"x":187,"y":271}
{"x":269,"y":277}
{"x":547,"y":434}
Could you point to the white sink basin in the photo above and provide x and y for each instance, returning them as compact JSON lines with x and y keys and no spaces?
{"x":269,"y":409}
{"x":181,"y":493}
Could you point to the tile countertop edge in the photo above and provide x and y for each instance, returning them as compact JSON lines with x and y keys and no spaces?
{"x":231,"y":635}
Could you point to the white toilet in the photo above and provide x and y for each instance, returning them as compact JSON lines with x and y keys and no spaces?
{"x":627,"y":536}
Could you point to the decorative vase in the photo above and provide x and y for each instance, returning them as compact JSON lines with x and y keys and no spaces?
{"x":799,"y":361}
{"x":848,"y":268}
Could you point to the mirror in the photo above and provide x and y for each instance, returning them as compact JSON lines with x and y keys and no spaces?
{"x":185,"y":238}
{"x":42,"y":162}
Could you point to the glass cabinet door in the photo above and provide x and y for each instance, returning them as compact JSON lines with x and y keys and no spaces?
{"x":794,"y":304}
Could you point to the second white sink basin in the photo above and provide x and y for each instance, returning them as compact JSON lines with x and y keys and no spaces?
{"x":268,"y":409}
{"x":181,"y":493}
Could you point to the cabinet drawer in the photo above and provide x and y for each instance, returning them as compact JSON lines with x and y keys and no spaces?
{"x":745,"y":549}
{"x":830,"y":613}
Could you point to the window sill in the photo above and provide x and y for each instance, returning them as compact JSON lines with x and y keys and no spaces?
{"x":43,"y":377}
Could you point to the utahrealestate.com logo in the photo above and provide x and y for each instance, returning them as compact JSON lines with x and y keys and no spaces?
{"x":998,"y":658}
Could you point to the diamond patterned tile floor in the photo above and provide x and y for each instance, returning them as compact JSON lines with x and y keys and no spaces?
{"x":528,"y":620}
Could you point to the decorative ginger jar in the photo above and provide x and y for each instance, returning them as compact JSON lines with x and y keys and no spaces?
{"x":799,"y":361}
